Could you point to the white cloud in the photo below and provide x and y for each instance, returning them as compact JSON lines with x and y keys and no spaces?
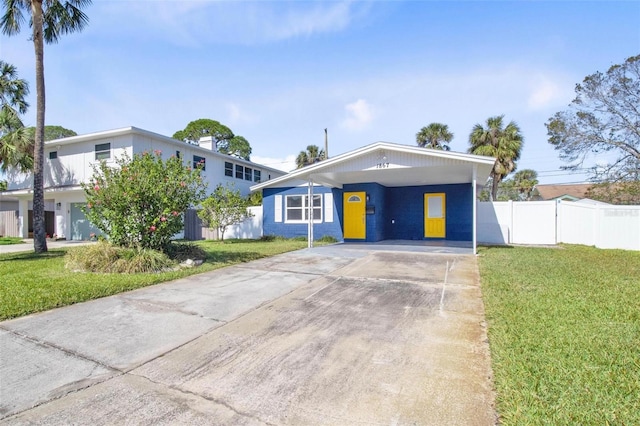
{"x":239,"y":116}
{"x":547,"y":93}
{"x":197,"y":23}
{"x":359,"y":115}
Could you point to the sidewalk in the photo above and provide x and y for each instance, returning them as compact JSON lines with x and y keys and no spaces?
{"x":28,"y":245}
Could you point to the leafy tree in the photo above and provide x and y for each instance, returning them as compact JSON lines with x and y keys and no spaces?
{"x":49,"y":19}
{"x":15,"y":148}
{"x":503,"y":143}
{"x":53,"y":132}
{"x":141,"y":202}
{"x":223,"y":208}
{"x":312,"y":155}
{"x":435,"y":136}
{"x":204,"y":127}
{"x":255,"y":198}
{"x":226,"y":142}
{"x":237,"y":146}
{"x":525,"y":182}
{"x":519,"y":188}
{"x":604,"y":117}
{"x":627,"y":192}
{"x":3,"y":185}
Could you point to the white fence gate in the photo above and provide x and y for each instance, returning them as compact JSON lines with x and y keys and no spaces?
{"x":551,"y":222}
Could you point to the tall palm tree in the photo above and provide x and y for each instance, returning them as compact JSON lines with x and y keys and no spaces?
{"x":435,"y":136}
{"x":15,"y":147}
{"x":312,"y":155}
{"x":494,"y":140}
{"x":49,"y":19}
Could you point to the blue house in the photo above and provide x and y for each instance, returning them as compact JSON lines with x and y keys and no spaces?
{"x":383,"y":191}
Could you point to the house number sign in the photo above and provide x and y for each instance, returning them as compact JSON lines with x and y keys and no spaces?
{"x":383,"y":161}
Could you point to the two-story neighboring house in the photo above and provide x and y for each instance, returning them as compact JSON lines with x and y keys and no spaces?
{"x":68,"y":163}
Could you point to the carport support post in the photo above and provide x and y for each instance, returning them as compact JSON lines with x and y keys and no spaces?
{"x":310,"y":214}
{"x":475,"y":207}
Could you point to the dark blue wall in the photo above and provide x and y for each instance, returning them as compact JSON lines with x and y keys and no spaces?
{"x":397,"y":213}
{"x":270,"y":227}
{"x":406,"y":209}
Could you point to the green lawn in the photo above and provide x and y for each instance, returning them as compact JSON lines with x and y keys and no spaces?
{"x":32,"y":283}
{"x":4,"y":241}
{"x":564,"y":331}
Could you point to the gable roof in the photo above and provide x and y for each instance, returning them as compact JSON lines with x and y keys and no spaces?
{"x":567,"y":191}
{"x":390,"y":165}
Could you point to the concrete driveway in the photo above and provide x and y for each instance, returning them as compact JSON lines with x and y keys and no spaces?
{"x":338,"y":335}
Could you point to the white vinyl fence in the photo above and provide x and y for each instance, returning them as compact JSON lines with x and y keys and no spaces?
{"x":250,"y":228}
{"x":551,"y":222}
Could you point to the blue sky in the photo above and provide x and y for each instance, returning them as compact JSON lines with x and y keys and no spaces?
{"x":279,"y":73}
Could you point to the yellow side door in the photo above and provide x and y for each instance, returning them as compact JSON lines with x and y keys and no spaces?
{"x":434,"y":215}
{"x":355,"y":225}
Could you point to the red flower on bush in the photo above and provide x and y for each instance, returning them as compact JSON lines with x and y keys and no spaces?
{"x":96,"y":187}
{"x":174,"y":213}
{"x":152,"y":228}
{"x":163,"y":219}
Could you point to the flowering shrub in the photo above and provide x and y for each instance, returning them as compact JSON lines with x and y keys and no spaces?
{"x":141,"y":201}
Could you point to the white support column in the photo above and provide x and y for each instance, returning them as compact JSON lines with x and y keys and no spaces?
{"x":475,"y":208}
{"x":310,"y":214}
{"x":23,"y":215}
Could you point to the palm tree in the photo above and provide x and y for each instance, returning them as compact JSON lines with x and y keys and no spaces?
{"x":312,"y":155}
{"x":15,"y":147}
{"x":435,"y":136}
{"x":525,"y":181}
{"x":49,"y":20}
{"x":494,"y":140}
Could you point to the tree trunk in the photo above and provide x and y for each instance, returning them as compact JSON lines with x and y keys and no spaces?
{"x":39,"y":230}
{"x":494,"y":188}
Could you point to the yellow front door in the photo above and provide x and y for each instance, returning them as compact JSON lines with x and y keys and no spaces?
{"x":434,"y":215}
{"x":354,"y":215}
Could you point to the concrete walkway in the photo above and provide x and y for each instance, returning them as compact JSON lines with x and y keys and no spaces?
{"x":332,"y":335}
{"x":28,"y":245}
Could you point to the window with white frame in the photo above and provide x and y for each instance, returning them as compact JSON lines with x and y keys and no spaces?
{"x":103,"y":151}
{"x":297,"y":208}
{"x":248,"y":173}
{"x":256,"y":175}
{"x":239,"y":171}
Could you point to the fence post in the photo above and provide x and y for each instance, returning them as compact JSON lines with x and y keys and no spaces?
{"x":596,"y":227}
{"x":510,"y":233}
{"x":558,"y":221}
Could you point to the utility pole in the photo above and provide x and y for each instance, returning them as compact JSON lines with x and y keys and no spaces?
{"x":326,"y":145}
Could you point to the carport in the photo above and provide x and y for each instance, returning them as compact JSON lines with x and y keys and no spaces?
{"x":383,"y":191}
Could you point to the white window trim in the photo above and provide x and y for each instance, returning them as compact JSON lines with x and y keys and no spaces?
{"x":304,"y":208}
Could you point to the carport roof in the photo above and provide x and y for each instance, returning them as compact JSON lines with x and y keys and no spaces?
{"x":390,"y":165}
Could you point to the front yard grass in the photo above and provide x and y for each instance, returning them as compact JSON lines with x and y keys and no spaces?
{"x":32,"y":283}
{"x":564,"y":332}
{"x":5,"y":241}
